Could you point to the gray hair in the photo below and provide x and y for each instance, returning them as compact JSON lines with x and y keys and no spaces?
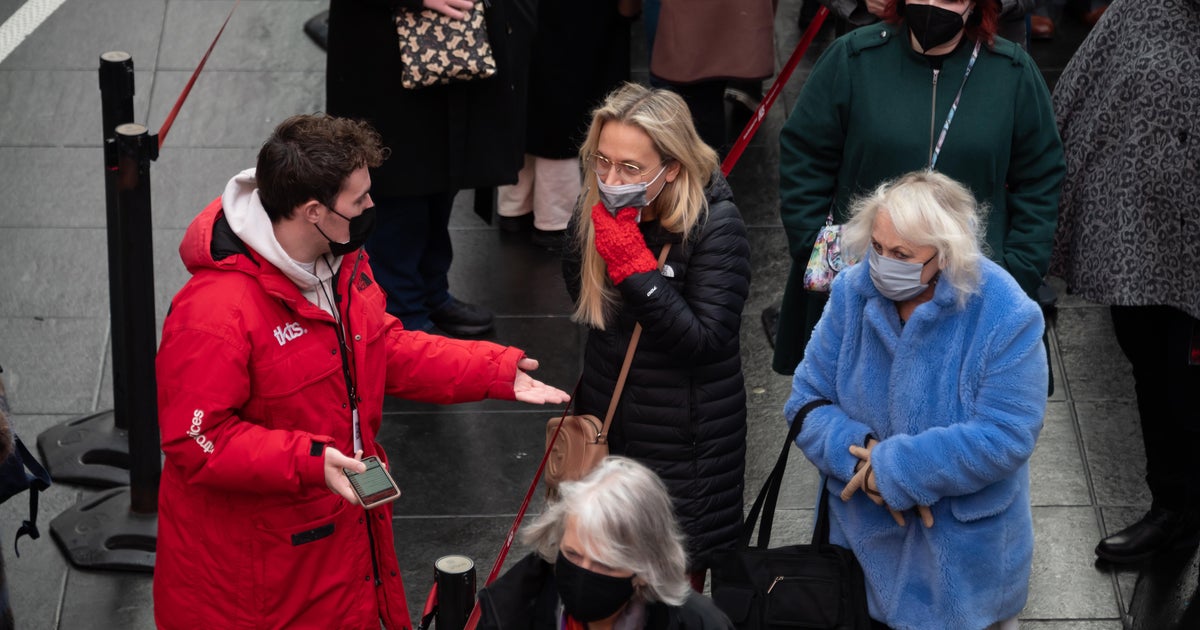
{"x":624,"y":519}
{"x":927,"y":208}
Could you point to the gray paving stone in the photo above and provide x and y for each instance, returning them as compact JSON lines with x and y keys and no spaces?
{"x":1056,"y":470}
{"x":92,"y":28}
{"x":755,"y":184}
{"x":49,"y":108}
{"x":8,"y":7}
{"x":1113,"y":443}
{"x":103,"y":600}
{"x":1087,"y":624}
{"x":260,"y":36}
{"x":184,"y":180}
{"x":52,"y":365}
{"x":233,"y":109}
{"x":1063,"y":583}
{"x":63,"y":273}
{"x":1061,"y":386}
{"x":1095,"y":367}
{"x":52,"y":187}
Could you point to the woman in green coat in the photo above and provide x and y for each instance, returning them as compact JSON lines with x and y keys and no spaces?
{"x":876,"y":105}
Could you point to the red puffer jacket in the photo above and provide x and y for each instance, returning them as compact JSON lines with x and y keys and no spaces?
{"x":250,"y":390}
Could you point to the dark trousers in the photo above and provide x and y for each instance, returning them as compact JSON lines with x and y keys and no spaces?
{"x":410,"y":255}
{"x":706,"y":102}
{"x":1157,"y":341}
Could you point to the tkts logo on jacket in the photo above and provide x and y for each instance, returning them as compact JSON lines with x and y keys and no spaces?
{"x":287,"y":332}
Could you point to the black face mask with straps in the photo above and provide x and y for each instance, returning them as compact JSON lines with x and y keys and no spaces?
{"x":360,"y":229}
{"x":932,"y":26}
{"x":588,"y":596}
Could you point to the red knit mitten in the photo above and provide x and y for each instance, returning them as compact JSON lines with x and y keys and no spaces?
{"x":620,"y":243}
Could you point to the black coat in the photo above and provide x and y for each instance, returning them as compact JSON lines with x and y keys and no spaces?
{"x":445,"y":137}
{"x":524,"y":598}
{"x":580,"y":54}
{"x":683,"y":411}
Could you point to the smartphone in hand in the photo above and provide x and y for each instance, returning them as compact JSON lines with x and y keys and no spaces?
{"x":374,"y":486}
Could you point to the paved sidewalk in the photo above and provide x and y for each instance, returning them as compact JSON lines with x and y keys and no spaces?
{"x":463,"y":468}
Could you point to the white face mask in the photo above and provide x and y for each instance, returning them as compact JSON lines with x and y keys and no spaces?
{"x":621,"y":196}
{"x":897,"y":280}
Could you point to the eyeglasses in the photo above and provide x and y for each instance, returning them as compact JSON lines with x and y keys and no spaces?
{"x":626,"y":171}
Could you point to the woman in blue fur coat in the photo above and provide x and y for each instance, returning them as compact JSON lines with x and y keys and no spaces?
{"x":932,"y":357}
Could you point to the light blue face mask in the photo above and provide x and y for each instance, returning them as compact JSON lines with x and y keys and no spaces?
{"x":897,"y":280}
{"x":621,"y":196}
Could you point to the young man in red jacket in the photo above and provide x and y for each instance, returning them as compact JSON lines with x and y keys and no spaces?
{"x":274,"y":361}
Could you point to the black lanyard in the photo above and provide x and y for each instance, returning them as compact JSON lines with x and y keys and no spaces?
{"x":341,"y":321}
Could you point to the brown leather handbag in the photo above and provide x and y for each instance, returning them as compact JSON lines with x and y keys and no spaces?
{"x":578,"y":444}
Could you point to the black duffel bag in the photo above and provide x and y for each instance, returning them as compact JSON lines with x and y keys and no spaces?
{"x":800,"y":586}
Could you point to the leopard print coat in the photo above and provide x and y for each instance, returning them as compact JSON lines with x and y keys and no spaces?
{"x":1128,"y":107}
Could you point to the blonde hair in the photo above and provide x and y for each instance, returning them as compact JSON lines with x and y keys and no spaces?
{"x":926,"y":208}
{"x":624,"y":518}
{"x":665,"y":118}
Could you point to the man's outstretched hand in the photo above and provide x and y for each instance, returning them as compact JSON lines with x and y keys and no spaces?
{"x":530,"y":390}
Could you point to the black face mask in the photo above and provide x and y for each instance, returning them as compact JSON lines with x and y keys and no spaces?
{"x":360,"y":229}
{"x":588,"y":596}
{"x":932,"y":26}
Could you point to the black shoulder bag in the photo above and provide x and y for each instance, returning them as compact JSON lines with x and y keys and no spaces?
{"x":800,"y":586}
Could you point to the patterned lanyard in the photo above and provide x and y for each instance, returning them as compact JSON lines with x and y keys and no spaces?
{"x":953,"y":107}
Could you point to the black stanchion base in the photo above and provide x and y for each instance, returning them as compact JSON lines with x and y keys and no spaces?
{"x":102,"y":533}
{"x":90,"y":451}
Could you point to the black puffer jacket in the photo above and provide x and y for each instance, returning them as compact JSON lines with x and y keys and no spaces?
{"x":683,"y":411}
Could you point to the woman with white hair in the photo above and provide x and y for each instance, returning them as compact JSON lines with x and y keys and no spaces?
{"x":931,"y":357}
{"x":652,"y":183}
{"x":607,"y":554}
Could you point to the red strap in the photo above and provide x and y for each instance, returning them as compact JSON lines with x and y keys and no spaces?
{"x":760,"y":114}
{"x":431,"y":604}
{"x":473,"y":619}
{"x":166,"y":126}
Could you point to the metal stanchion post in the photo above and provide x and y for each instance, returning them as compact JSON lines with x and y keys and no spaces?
{"x":117,"y":530}
{"x":94,"y":449}
{"x":455,"y":579}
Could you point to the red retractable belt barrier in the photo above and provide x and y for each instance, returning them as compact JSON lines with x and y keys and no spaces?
{"x":187,"y":89}
{"x":760,"y":114}
{"x":747,"y":134}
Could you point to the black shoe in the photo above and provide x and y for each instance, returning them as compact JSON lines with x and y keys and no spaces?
{"x":460,"y":319}
{"x":317,"y":28}
{"x":1157,"y":531}
{"x":551,"y":240}
{"x":522,"y":223}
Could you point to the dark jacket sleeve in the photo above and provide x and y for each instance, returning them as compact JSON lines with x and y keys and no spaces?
{"x":810,"y":150}
{"x":1035,"y":174}
{"x":523,"y":598}
{"x":700,"y":322}
{"x":571,"y":260}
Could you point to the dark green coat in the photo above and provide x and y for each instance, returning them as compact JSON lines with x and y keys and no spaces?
{"x":863,"y":116}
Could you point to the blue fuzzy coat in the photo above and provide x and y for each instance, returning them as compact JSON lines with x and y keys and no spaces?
{"x":956,"y":397}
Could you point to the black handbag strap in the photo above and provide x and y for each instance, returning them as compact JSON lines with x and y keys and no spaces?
{"x":769,"y":495}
